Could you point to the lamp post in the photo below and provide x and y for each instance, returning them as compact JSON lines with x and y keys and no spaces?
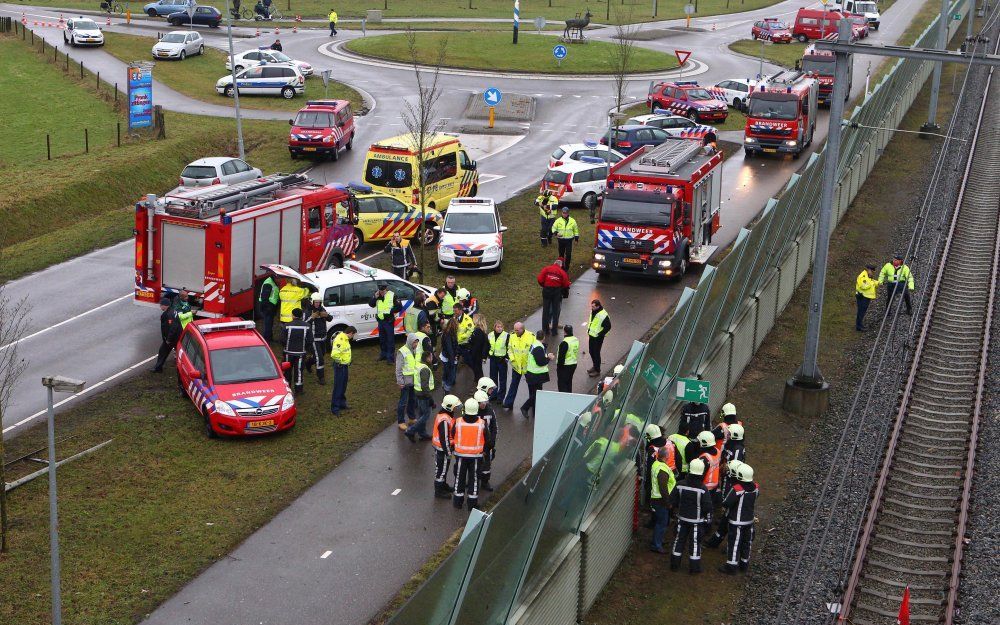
{"x":236,"y":91}
{"x":62,"y":385}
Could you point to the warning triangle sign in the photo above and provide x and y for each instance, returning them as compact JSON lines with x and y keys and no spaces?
{"x":682,"y":55}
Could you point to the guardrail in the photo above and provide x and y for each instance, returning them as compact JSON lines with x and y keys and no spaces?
{"x":552,"y":543}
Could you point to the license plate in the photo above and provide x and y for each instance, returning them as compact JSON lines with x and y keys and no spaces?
{"x":770,"y":150}
{"x":260,"y":424}
{"x":468,"y":260}
{"x":308,"y":149}
{"x":632,"y":261}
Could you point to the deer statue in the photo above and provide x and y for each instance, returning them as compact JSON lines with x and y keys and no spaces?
{"x":577,"y":24}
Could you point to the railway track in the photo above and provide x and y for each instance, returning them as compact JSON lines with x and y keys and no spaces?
{"x":914,"y":531}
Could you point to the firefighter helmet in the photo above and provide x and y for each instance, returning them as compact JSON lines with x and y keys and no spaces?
{"x":471,"y":407}
{"x":608,"y":397}
{"x":481,"y":397}
{"x":316,"y":297}
{"x":696,"y":467}
{"x":585,"y":418}
{"x":733,"y":466}
{"x":450,"y":402}
{"x":706,"y":439}
{"x":617,"y":370}
{"x":486,"y":385}
{"x":744,"y":473}
{"x":729,"y":410}
{"x":462,"y":293}
{"x":653,"y":431}
{"x":736,"y":432}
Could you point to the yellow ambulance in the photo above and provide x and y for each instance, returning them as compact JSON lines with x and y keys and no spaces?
{"x":391,"y":164}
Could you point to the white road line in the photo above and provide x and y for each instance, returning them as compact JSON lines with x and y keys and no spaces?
{"x":82,"y":393}
{"x":65,"y":321}
{"x":397,"y":491}
{"x":326,"y":554}
{"x":371,"y":256}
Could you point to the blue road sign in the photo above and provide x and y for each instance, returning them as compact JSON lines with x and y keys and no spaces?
{"x":560,"y":52}
{"x":492,"y":96}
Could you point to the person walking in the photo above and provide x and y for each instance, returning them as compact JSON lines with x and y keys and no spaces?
{"x":291,"y":296}
{"x":442,"y":442}
{"x":267,"y":305}
{"x":566,"y":359}
{"x":547,"y":204}
{"x":661,"y":486}
{"x":597,"y":329}
{"x":740,"y":505}
{"x":317,"y":320}
{"x":693,"y":506}
{"x":298,"y":342}
{"x":400,"y":255}
{"x":865,"y":291}
{"x":566,"y":232}
{"x":479,"y":346}
{"x":449,"y":355}
{"x":470,"y":441}
{"x":492,"y":430}
{"x":537,"y":372}
{"x":498,"y":339}
{"x":899,"y":280}
{"x":518,"y":345}
{"x":170,"y":332}
{"x":423,"y":388}
{"x":340,"y":356}
{"x":333,"y":23}
{"x":406,"y":364}
{"x":385,"y":305}
{"x":555,"y":285}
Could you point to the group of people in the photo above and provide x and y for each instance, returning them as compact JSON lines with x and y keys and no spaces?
{"x":700,"y":476}
{"x":175,"y":314}
{"x":557,"y":224}
{"x":895,"y":276}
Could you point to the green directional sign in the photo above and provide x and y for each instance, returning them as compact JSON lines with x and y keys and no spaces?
{"x":957,"y":17}
{"x":652,"y":372}
{"x":693,"y":390}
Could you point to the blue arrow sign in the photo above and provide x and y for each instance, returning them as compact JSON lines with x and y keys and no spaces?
{"x":492,"y":96}
{"x":560,"y":52}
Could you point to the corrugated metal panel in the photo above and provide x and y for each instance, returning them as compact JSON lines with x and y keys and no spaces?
{"x":183,"y":262}
{"x":787,"y":282}
{"x":241,"y":253}
{"x":266,"y":241}
{"x":715,"y":369}
{"x":291,"y":236}
{"x":606,"y":536}
{"x":767,"y":307}
{"x":743,"y":347}
{"x":805,"y":251}
{"x":557,"y":601}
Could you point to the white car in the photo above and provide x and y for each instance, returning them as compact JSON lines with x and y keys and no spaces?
{"x":347,"y":291}
{"x":576,"y":151}
{"x":737,"y":91}
{"x":266,"y":55}
{"x":471,"y":236}
{"x":577,"y":181}
{"x":83,"y":32}
{"x":217,"y":170}
{"x":284,"y":80}
{"x":673,"y":125}
{"x":179,"y":44}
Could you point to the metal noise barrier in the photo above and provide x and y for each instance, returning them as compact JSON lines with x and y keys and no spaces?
{"x":555,"y":539}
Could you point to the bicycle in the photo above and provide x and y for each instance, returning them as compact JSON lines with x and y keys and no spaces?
{"x":244,"y":13}
{"x":112,"y":7}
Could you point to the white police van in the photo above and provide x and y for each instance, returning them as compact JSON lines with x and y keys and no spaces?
{"x":471,"y":236}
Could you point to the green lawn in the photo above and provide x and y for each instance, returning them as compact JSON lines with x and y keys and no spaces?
{"x":494,"y":51}
{"x":196,"y":76}
{"x":783,"y":54}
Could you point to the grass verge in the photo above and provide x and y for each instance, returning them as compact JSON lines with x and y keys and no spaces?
{"x":495,"y":52}
{"x":783,"y":54}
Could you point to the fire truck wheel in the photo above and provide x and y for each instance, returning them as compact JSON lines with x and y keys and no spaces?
{"x":590,"y":201}
{"x":293,"y":155}
{"x":681,"y":268}
{"x":802,"y":38}
{"x":288,"y":93}
{"x":360,"y":237}
{"x":335,"y":155}
{"x":336,"y":262}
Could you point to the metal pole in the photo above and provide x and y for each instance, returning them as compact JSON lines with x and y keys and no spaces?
{"x":971,"y":18}
{"x":760,"y":74}
{"x":236,"y":91}
{"x":53,"y":515}
{"x":942,"y":41}
{"x":517,"y":17}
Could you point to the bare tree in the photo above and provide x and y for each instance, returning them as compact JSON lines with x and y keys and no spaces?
{"x":419,"y":118}
{"x":13,"y":321}
{"x":622,"y":53}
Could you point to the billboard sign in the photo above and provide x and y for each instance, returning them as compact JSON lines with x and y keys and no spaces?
{"x":140,"y":96}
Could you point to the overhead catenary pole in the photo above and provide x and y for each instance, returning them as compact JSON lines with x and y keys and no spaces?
{"x":517,"y":18}
{"x":236,"y":91}
{"x":942,"y":42}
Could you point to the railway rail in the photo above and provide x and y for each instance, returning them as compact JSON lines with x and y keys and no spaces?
{"x":915,"y":528}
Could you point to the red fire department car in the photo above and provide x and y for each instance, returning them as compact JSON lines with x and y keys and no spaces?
{"x":660,"y":210}
{"x":690,"y":100}
{"x":323,"y":128}
{"x":781,"y":115}
{"x":211,"y":241}
{"x":771,"y":29}
{"x":233,"y":379}
{"x":821,"y":63}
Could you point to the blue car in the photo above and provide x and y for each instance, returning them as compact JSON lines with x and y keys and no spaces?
{"x":631,"y":137}
{"x":206,"y":16}
{"x":164,"y":7}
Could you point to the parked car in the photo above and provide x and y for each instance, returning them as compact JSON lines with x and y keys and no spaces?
{"x":859,"y":24}
{"x":380,"y":216}
{"x":471,"y":235}
{"x":283,"y":80}
{"x":164,"y":8}
{"x":179,"y":45}
{"x":576,"y":152}
{"x":772,"y":30}
{"x":737,"y":90}
{"x":83,"y":32}
{"x":217,"y":170}
{"x":687,"y":98}
{"x":323,"y":128}
{"x":206,"y":16}
{"x":816,"y":24}
{"x":674,"y":125}
{"x":261,"y":56}
{"x":631,"y":137}
{"x":578,"y":181}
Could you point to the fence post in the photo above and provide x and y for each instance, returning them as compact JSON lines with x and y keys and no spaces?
{"x":48,"y":148}
{"x":98,"y":81}
{"x":67,"y":64}
{"x":116,"y":94}
{"x":32,"y":38}
{"x":119,"y":131}
{"x":86,"y":141}
{"x":81,"y":69}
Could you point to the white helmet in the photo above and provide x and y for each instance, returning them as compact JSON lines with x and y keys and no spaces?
{"x":450,"y":402}
{"x":697,"y":467}
{"x":729,"y":410}
{"x":653,"y":431}
{"x":617,"y":370}
{"x":744,"y":473}
{"x":585,"y":418}
{"x":733,"y":466}
{"x":481,"y":397}
{"x":471,"y":407}
{"x":736,"y":432}
{"x":608,"y":397}
{"x":462,"y":293}
{"x":316,"y":297}
{"x":706,"y":439}
{"x":486,"y":384}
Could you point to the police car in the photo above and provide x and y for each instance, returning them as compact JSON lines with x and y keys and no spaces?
{"x":689,"y":99}
{"x":283,"y":79}
{"x":346,"y":292}
{"x":576,"y":152}
{"x":380,"y":216}
{"x":264,"y":55}
{"x":471,"y":235}
{"x":673,"y":125}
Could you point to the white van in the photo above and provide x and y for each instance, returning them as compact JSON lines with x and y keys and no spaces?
{"x":471,"y":235}
{"x":868,"y":8}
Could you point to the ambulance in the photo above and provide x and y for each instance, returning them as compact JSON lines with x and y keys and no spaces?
{"x":391,"y":165}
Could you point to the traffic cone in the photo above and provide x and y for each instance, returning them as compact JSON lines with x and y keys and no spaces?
{"x":295,"y":29}
{"x":109,"y":20}
{"x":713,"y":26}
{"x":24,"y":18}
{"x":61,"y":20}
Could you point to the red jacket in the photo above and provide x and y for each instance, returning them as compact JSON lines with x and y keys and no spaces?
{"x":553,"y":277}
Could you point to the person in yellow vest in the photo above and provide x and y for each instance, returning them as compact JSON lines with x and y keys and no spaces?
{"x":386,"y":306}
{"x":333,"y":23}
{"x":566,"y":358}
{"x":899,"y":280}
{"x":466,"y":326}
{"x":449,"y":298}
{"x":537,"y":372}
{"x":597,"y":328}
{"x":566,"y":231}
{"x":547,"y":204}
{"x":518,"y":344}
{"x":340,"y":356}
{"x":865,"y":291}
{"x":498,"y":340}
{"x":290,"y":296}
{"x":423,"y":389}
{"x":661,"y":485}
{"x":406,"y":369}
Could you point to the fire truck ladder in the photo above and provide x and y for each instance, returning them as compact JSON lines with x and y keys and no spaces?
{"x":233,"y":197}
{"x":666,"y":157}
{"x":785,"y":78}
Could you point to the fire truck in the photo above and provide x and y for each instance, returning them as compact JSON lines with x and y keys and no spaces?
{"x":660,"y":210}
{"x":212,"y":241}
{"x":781,"y":115}
{"x":821,"y":63}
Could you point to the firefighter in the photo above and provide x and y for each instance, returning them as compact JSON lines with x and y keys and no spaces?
{"x":709,"y":454}
{"x":547,"y":204}
{"x":728,"y":480}
{"x":386,"y":306}
{"x":469,"y":443}
{"x":406,"y":369}
{"x":566,"y":231}
{"x":340,"y":355}
{"x":899,"y":280}
{"x":401,"y":255}
{"x":498,"y":339}
{"x":662,"y":484}
{"x":537,"y":372}
{"x":566,"y":358}
{"x":170,"y":332}
{"x":488,"y":386}
{"x":733,"y":451}
{"x":321,"y":343}
{"x":423,"y":389}
{"x":676,"y":457}
{"x":492,"y":430}
{"x":518,"y":346}
{"x":597,"y":328}
{"x":865,"y":291}
{"x":469,"y":304}
{"x":267,"y":304}
{"x":740,"y":504}
{"x":695,"y":419}
{"x":721,"y":431}
{"x":442,"y":441}
{"x":298,"y":342}
{"x":291,"y":296}
{"x":693,"y":506}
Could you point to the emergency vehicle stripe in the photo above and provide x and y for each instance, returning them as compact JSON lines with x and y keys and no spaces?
{"x":605,"y":238}
{"x":398,"y":323}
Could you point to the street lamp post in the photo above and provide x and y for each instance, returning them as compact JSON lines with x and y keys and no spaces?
{"x":236,"y":91}
{"x":61,"y":385}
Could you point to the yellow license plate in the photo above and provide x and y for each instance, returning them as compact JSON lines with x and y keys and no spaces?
{"x":260,"y":424}
{"x":468,"y":260}
{"x":632,"y":261}
{"x":770,"y":150}
{"x":309,"y":149}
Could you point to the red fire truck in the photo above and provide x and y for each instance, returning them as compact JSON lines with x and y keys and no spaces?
{"x":821,"y":63}
{"x":660,"y":210}
{"x":781,"y":115}
{"x":212,"y":241}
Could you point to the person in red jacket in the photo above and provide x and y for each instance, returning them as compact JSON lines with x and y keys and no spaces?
{"x":555,"y":285}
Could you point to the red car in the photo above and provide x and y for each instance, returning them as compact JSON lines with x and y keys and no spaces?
{"x":229,"y":372}
{"x":322,"y":128}
{"x":771,"y":29}
{"x":688,"y":99}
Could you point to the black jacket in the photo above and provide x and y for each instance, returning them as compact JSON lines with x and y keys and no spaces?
{"x":317,"y":318}
{"x":298,"y":337}
{"x":691,"y":501}
{"x":449,"y":348}
{"x":734,"y":450}
{"x":401,"y":256}
{"x":492,"y":428}
{"x":170,"y":326}
{"x":479,"y":345}
{"x":694,"y":419}
{"x":740,"y":502}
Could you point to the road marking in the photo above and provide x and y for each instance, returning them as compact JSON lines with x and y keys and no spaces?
{"x":326,"y":554}
{"x":81,"y":393}
{"x":65,"y":321}
{"x":397,"y":491}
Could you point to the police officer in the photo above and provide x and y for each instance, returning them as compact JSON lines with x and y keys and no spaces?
{"x":547,"y":204}
{"x":518,"y":345}
{"x":321,"y":343}
{"x":566,"y":231}
{"x":497,"y":356}
{"x":423,"y":389}
{"x":740,"y":503}
{"x":566,"y":358}
{"x":693,"y":506}
{"x":597,"y":328}
{"x":449,"y":298}
{"x":291,"y":296}
{"x":466,"y":326}
{"x":385,"y":305}
{"x":492,"y":430}
{"x":267,"y":304}
{"x":695,"y":419}
{"x":340,"y":355}
{"x":333,"y":22}
{"x":469,"y":443}
{"x":170,"y":332}
{"x":899,"y":280}
{"x":442,"y":441}
{"x":865,"y":291}
{"x":298,"y":342}
{"x":661,"y":487}
{"x":537,"y":372}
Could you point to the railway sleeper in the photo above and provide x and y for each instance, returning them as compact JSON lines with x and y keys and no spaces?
{"x":913,"y":600}
{"x":910,"y":493}
{"x":915,"y":520}
{"x":941,"y":468}
{"x":907,"y":570}
{"x":914,"y":617}
{"x":906,"y":504}
{"x":918,"y":545}
{"x":898,"y":584}
{"x":933,"y":476}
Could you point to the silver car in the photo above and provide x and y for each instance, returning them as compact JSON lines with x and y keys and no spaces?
{"x":217,"y":170}
{"x":179,"y":44}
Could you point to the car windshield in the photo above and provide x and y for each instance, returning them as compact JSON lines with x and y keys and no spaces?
{"x":470,"y":223}
{"x":777,"y":26}
{"x":635,"y":212}
{"x":84,"y":25}
{"x":698,"y":94}
{"x":773,"y":109}
{"x":865,"y":7}
{"x":242,"y":364}
{"x":280,"y":57}
{"x":558,"y":154}
{"x":198,"y":172}
{"x":556,"y":176}
{"x":390,"y":174}
{"x":819,"y":64}
{"x":173,"y":38}
{"x":314,"y":119}
{"x":858,"y":19}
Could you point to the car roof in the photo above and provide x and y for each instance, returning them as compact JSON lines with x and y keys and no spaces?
{"x":631,"y":127}
{"x":211,"y":160}
{"x":226,"y":339}
{"x":570,"y":147}
{"x":571,"y":167}
{"x":184,"y":32}
{"x":472,"y":205}
{"x":651,"y":116}
{"x":339,"y":276}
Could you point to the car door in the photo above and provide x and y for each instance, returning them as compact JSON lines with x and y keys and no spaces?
{"x":229,"y":174}
{"x":658,"y":136}
{"x":191,"y":44}
{"x":356,"y":309}
{"x":370,"y":219}
{"x":250,"y":80}
{"x":392,"y":210}
{"x":203,"y":15}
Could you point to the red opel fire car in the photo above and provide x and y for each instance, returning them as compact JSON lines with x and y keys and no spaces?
{"x":771,"y":29}
{"x":230,"y":374}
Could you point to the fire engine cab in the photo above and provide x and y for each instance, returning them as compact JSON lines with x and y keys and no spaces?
{"x":212,"y":241}
{"x":821,"y":63}
{"x":660,"y":210}
{"x":781,"y":115}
